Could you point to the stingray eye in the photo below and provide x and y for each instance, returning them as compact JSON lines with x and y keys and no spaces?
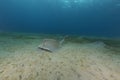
{"x":44,"y":41}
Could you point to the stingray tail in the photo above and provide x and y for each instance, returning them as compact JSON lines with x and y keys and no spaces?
{"x":61,"y":42}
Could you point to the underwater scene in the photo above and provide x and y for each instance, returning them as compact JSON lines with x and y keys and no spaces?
{"x":59,"y":39}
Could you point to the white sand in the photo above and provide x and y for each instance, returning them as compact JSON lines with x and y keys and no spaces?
{"x":21,"y":60}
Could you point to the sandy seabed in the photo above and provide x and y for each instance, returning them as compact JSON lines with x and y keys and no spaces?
{"x":20,"y":59}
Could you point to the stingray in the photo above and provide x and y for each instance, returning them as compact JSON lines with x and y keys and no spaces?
{"x":51,"y":45}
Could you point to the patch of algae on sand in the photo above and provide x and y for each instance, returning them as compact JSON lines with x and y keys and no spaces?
{"x":110,"y":42}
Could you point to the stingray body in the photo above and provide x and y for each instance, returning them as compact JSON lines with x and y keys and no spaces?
{"x":50,"y":45}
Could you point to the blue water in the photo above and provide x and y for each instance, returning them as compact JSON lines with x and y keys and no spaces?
{"x":82,"y":17}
